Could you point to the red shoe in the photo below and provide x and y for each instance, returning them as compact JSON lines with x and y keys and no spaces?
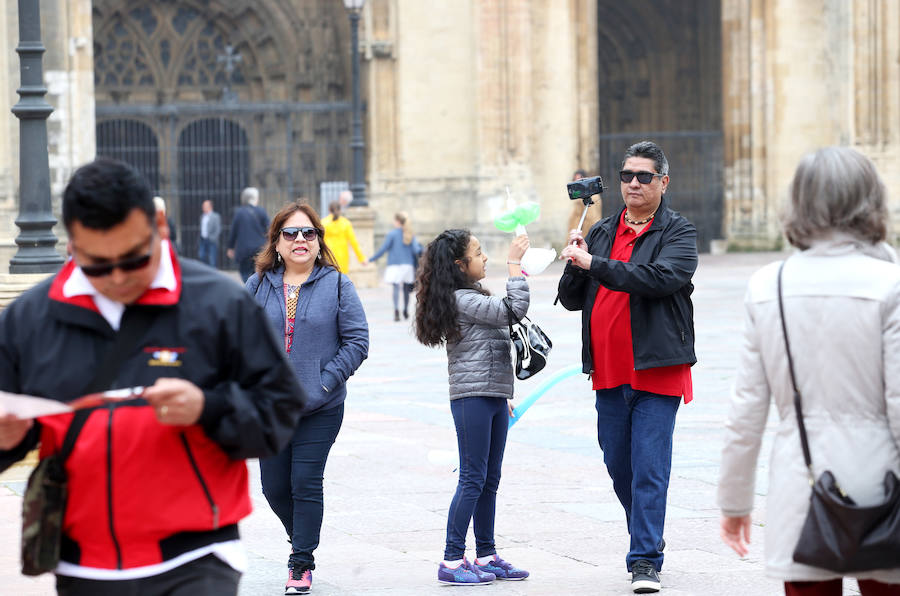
{"x":299,"y":582}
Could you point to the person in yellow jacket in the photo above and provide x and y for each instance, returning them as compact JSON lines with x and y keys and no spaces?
{"x":339,"y":236}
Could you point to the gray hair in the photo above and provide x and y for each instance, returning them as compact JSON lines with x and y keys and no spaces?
{"x":160,"y":204}
{"x":650,"y":150}
{"x":250,"y":195}
{"x":836,"y":189}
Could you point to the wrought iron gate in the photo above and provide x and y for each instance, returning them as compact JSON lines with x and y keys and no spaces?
{"x":193,"y":152}
{"x":696,"y":185}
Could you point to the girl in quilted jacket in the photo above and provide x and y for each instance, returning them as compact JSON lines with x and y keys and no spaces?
{"x":454,"y":310}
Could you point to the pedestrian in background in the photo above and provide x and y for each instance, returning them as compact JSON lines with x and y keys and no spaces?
{"x":248,"y":232}
{"x":339,"y":235}
{"x":841,"y":297}
{"x":157,"y":483}
{"x":210,"y":230}
{"x":403,"y":252}
{"x":631,"y":280}
{"x":454,"y":309}
{"x":316,"y":310}
{"x":171,"y":230}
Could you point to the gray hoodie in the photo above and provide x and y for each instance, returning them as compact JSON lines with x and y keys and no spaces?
{"x":330,"y":340}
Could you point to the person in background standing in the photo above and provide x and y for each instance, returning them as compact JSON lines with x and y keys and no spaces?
{"x":339,"y":235}
{"x":248,"y":232}
{"x":160,"y":204}
{"x":403,"y":252}
{"x":210,"y":230}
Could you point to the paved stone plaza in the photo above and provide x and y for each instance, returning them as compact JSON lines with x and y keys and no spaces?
{"x":391,"y":474}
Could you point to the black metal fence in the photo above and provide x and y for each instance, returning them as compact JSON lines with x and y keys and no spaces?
{"x":193,"y":152}
{"x":696,"y":185}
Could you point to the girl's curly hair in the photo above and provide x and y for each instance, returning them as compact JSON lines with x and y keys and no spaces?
{"x":437,"y":280}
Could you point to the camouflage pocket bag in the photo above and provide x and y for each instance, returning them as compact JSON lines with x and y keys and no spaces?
{"x":45,"y":504}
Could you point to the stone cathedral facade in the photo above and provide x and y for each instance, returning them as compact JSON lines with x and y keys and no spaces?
{"x":464,"y":99}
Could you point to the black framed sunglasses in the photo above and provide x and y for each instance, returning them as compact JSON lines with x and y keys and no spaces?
{"x":132,"y":264}
{"x":627,"y":176}
{"x":290,"y":234}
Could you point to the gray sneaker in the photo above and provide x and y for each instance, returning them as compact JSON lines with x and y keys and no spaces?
{"x":644,"y":577}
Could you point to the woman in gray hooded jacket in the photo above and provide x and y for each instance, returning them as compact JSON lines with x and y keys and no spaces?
{"x":315,"y":310}
{"x":454,"y":310}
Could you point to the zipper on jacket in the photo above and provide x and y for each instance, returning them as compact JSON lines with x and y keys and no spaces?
{"x":109,"y":486}
{"x":677,"y":319}
{"x":212,"y":504}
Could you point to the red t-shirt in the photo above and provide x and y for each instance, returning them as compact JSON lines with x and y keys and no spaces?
{"x":611,"y":341}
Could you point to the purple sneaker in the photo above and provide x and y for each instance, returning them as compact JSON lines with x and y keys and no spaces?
{"x":464,"y":575}
{"x":502,"y":570}
{"x":299,"y":582}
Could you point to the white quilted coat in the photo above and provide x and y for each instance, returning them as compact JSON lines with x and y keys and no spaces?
{"x":842,"y":306}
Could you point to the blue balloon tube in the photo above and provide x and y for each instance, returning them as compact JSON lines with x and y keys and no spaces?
{"x":549,"y":383}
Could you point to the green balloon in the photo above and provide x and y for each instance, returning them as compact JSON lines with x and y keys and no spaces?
{"x":522,"y":215}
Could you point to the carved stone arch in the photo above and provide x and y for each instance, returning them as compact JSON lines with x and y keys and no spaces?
{"x":289,"y":51}
{"x":123,"y":60}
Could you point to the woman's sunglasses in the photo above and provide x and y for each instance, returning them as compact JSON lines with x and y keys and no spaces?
{"x":290,"y":234}
{"x":103,"y":269}
{"x":627,"y":176}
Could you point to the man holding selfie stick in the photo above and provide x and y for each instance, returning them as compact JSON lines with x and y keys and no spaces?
{"x":631,"y":278}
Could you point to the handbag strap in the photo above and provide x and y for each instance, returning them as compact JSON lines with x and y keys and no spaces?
{"x":135,"y":322}
{"x":510,"y":316}
{"x":798,"y":406}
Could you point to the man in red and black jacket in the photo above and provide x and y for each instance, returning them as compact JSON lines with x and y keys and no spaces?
{"x":157,"y":484}
{"x":631,"y":279}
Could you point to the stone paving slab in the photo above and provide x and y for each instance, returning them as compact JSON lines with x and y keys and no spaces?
{"x":392,"y":473}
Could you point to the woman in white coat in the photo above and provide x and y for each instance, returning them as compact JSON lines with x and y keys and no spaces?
{"x":842,"y":309}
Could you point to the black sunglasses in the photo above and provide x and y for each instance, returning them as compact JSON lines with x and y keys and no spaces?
{"x":627,"y":176}
{"x":290,"y":234}
{"x":132,"y":264}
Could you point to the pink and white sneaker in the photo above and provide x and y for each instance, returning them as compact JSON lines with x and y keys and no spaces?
{"x":299,"y":582}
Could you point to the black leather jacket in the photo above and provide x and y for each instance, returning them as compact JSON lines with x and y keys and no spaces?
{"x":658,"y":279}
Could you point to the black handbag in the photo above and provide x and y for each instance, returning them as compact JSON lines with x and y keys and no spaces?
{"x":531,"y":344}
{"x":44,"y":502}
{"x":838,"y":534}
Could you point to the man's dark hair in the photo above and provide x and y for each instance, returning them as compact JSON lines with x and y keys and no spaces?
{"x":101,"y":195}
{"x":650,"y":150}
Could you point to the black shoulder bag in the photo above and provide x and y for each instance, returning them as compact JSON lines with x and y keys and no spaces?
{"x":838,"y":534}
{"x":44,"y":503}
{"x":531,"y":343}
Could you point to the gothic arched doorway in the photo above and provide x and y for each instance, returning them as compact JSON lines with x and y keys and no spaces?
{"x":213,"y":164}
{"x":660,"y":79}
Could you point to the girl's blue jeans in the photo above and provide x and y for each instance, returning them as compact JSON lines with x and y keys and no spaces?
{"x":481,"y":427}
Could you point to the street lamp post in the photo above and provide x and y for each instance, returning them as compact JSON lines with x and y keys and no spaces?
{"x":37,"y":243}
{"x":357,"y":146}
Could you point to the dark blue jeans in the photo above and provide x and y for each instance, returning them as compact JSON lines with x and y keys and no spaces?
{"x":635,"y":429}
{"x":207,"y":251}
{"x":481,"y":427}
{"x":292,"y":482}
{"x":247,"y":266}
